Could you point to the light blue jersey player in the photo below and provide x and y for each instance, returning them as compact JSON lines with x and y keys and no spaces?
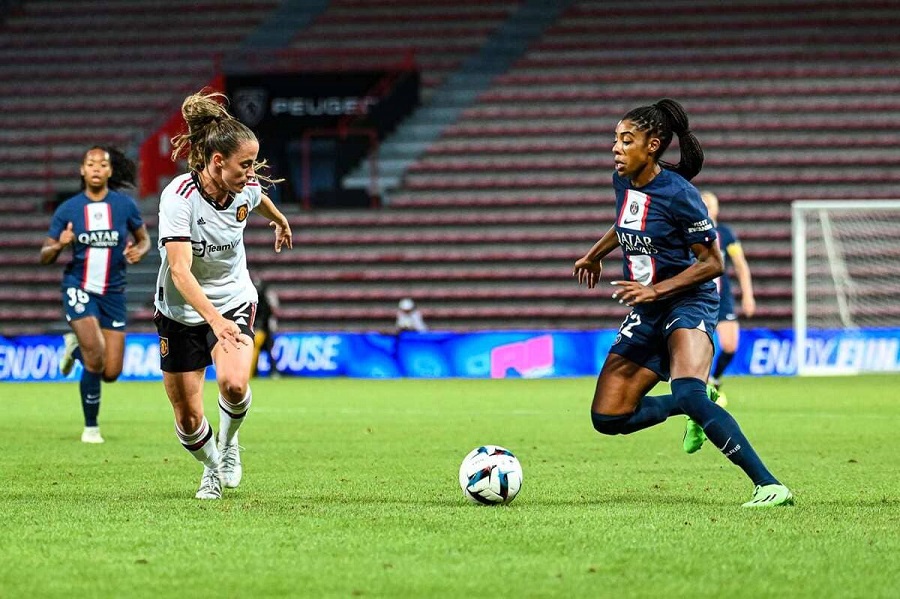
{"x":670,"y":261}
{"x":99,"y":223}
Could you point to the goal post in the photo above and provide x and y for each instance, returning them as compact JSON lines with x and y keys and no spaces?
{"x":846,"y":286}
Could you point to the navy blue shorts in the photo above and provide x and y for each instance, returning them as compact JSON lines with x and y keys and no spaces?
{"x":726,"y":307}
{"x":643,"y":336}
{"x":109,"y":309}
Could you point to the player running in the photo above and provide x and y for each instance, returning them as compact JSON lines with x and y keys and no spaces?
{"x":670,"y":261}
{"x":97,"y":223}
{"x":205,"y":300}
{"x":728,"y":329}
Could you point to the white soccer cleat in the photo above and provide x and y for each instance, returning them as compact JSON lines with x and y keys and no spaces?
{"x":231,"y":468}
{"x":91,"y":434}
{"x":210,"y":485}
{"x":67,"y":362}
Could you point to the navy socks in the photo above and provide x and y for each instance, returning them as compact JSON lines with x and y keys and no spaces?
{"x":651,"y":411}
{"x":721,"y":429}
{"x":722,"y":363}
{"x":90,"y":396}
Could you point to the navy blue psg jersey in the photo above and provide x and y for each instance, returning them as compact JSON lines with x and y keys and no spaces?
{"x":101,"y":232}
{"x":657,"y":225}
{"x":727,"y":239}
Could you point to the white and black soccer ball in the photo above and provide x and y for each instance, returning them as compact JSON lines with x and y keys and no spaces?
{"x":490,"y":475}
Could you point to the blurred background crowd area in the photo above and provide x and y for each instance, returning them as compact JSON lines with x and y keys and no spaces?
{"x":453,"y":151}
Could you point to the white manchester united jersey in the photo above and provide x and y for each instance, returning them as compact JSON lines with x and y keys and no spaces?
{"x":216,"y":234}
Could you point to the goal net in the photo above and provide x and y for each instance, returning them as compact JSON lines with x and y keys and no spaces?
{"x":846,"y":279}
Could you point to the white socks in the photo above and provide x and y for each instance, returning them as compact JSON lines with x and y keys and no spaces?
{"x":231,"y":416}
{"x":201,"y":444}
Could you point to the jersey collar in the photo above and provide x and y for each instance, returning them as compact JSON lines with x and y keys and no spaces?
{"x":209,"y":200}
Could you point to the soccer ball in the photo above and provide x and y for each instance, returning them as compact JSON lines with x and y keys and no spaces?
{"x":490,"y":475}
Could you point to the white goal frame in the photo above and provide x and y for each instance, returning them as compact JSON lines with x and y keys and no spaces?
{"x":799,"y":208}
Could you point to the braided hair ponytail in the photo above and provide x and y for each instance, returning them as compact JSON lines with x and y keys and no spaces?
{"x":663,"y":120}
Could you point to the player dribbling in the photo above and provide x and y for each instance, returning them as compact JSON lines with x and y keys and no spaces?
{"x":670,"y":260}
{"x":205,"y":300}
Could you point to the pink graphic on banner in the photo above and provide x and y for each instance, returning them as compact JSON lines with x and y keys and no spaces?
{"x":529,"y":358}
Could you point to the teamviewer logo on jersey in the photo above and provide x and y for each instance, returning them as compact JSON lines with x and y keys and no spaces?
{"x":250,"y":105}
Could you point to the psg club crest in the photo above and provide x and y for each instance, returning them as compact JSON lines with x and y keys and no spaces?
{"x":250,"y":105}
{"x":242,"y":212}
{"x":633,"y":208}
{"x":163,"y":346}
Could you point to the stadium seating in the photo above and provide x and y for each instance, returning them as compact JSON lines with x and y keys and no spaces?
{"x":442,"y":33}
{"x":781,"y":117}
{"x":76,"y":73}
{"x":790,"y":100}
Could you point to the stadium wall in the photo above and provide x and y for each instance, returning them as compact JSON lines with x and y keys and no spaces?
{"x":497,"y":354}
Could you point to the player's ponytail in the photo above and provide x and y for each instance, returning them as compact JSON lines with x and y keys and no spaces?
{"x":211,"y":129}
{"x":691,"y":153}
{"x":663,"y":120}
{"x":124,"y":170}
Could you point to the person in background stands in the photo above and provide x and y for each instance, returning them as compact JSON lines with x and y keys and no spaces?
{"x":205,"y":299}
{"x":409,"y":318}
{"x":728,"y":329}
{"x":99,"y":223}
{"x":266,"y":326}
{"x":670,"y":258}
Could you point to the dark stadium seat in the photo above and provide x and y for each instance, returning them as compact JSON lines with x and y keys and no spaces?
{"x":791,"y":101}
{"x":442,"y":33}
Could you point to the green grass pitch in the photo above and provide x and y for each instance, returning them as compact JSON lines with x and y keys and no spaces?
{"x":350,"y":489}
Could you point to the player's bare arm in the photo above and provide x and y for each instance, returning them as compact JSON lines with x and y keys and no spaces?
{"x":135,"y":251}
{"x":53,"y":247}
{"x":708,"y":266}
{"x":742,"y":270}
{"x":588,"y":268}
{"x":180,"y":257}
{"x":278,"y":220}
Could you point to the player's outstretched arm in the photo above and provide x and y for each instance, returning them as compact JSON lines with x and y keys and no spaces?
{"x":708,"y":266}
{"x":283,"y":233}
{"x":588,"y":268}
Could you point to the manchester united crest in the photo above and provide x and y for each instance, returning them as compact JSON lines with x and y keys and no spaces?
{"x":163,"y":346}
{"x":242,"y":212}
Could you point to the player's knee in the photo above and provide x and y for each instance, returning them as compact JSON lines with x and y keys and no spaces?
{"x":111,"y":377}
{"x":93,"y":360}
{"x":233,"y":389}
{"x":188,"y":422}
{"x":609,"y":425}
